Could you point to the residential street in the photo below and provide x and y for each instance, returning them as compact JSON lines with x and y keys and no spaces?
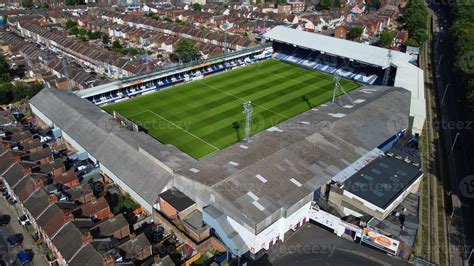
{"x":455,"y":130}
{"x":8,"y":254}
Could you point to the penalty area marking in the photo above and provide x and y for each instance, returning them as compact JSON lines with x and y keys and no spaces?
{"x":183,"y":129}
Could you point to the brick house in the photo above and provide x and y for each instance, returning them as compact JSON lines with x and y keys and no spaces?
{"x":97,"y":209}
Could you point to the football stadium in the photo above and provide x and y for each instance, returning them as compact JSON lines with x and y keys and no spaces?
{"x":199,"y":117}
{"x":322,"y":109}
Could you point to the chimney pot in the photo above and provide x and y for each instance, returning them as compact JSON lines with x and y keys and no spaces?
{"x":52,"y":198}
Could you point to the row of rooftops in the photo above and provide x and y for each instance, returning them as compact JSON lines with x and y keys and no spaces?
{"x":90,"y":53}
{"x":70,"y":214}
{"x":136,"y":34}
{"x":179,"y":30}
{"x":48,"y":62}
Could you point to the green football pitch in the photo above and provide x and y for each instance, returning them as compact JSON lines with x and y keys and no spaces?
{"x":199,"y":117}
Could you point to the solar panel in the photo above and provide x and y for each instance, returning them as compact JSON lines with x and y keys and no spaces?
{"x":378,"y":193}
{"x":368,"y":178}
{"x":375,"y":171}
{"x":402,"y":173}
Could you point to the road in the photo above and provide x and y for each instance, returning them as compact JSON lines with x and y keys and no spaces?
{"x":456,"y":129}
{"x":312,"y":245}
{"x":9,"y":254}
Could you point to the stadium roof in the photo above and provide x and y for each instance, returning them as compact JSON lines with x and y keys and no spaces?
{"x":408,"y":76}
{"x":137,"y":159}
{"x":111,"y":86}
{"x":284,"y":164}
{"x":343,"y":48}
{"x":383,"y":180}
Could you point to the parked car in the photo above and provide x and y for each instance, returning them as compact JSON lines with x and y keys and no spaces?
{"x":23,"y":220}
{"x":15,"y":240}
{"x":5,"y":219}
{"x":25,"y":256}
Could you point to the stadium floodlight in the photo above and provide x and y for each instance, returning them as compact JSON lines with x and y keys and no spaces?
{"x":387,"y":71}
{"x":339,"y":89}
{"x":248,"y":109}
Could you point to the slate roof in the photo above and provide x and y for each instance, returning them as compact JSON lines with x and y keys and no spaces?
{"x":88,"y":255}
{"x":68,"y":240}
{"x":110,"y":226}
{"x":121,"y":151}
{"x":37,"y":202}
{"x":285,"y":164}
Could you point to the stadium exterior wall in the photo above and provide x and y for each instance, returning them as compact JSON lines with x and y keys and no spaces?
{"x":274,"y":232}
{"x":102,"y":167}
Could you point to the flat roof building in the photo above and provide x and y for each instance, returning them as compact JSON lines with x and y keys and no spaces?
{"x":378,"y":188}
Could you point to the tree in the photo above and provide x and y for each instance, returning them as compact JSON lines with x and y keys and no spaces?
{"x":372,"y":4}
{"x":27,"y":3}
{"x":3,"y":65}
{"x":94,"y":35}
{"x":5,"y":77}
{"x":415,"y":19}
{"x":6,"y":93}
{"x":124,"y":204}
{"x":83,"y":32}
{"x":74,"y":31}
{"x":328,"y":4}
{"x":116,"y":45}
{"x":74,"y":2}
{"x":386,"y":38}
{"x":197,"y":7}
{"x":355,"y":32}
{"x":70,"y":24}
{"x":412,"y":42}
{"x":185,"y":50}
{"x":105,"y":39}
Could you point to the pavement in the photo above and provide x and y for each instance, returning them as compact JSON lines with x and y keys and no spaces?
{"x":313,"y":245}
{"x":9,"y":254}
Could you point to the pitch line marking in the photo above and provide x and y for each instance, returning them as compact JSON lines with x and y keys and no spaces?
{"x":183,"y":129}
{"x":237,"y":97}
{"x":139,"y":113}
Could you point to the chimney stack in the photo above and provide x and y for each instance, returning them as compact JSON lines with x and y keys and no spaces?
{"x":39,"y":183}
{"x":109,"y":261}
{"x":26,"y":170}
{"x":52,"y":199}
{"x":68,"y":216}
{"x":86,"y":238}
